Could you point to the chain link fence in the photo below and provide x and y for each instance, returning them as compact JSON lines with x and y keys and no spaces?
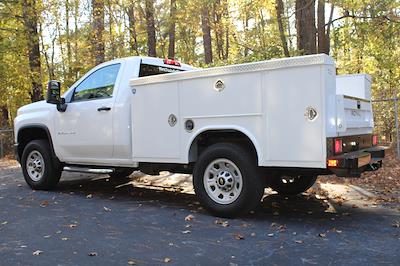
{"x":386,"y":118}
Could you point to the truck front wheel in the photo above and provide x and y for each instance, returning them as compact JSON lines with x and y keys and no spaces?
{"x":288,"y":185}
{"x":40,"y":172}
{"x":226,"y":180}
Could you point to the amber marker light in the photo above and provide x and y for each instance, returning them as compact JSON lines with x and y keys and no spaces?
{"x":333,"y":163}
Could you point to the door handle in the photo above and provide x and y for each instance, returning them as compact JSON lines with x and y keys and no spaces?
{"x":103,"y":108}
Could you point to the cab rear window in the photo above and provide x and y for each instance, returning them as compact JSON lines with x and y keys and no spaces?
{"x":151,"y":70}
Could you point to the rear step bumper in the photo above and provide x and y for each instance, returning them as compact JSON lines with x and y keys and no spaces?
{"x":352,"y":164}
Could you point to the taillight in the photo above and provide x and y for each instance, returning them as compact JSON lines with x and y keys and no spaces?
{"x":374,"y":140}
{"x":172,"y":62}
{"x":338,"y":146}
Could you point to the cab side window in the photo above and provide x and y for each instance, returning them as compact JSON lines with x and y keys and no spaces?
{"x":98,"y":85}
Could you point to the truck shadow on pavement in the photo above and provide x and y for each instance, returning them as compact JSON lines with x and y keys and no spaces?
{"x":306,"y":205}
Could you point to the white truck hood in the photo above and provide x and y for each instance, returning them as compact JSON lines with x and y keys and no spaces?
{"x":34,"y":107}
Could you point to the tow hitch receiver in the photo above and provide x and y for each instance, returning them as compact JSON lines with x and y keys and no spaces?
{"x":352,"y":164}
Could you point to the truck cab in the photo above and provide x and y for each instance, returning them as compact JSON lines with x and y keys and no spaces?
{"x":238,"y":129}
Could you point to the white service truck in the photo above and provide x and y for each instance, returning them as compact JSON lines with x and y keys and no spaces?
{"x":238,"y":129}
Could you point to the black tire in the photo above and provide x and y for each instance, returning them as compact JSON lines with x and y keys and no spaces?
{"x":252,"y":187}
{"x":120,"y":173}
{"x":51,"y":171}
{"x":299,"y":184}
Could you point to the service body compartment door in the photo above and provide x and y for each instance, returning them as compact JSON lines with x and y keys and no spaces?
{"x":296,"y":110}
{"x":155,"y":130}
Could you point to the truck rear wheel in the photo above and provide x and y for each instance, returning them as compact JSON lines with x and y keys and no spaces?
{"x":40,"y":172}
{"x":288,"y":185}
{"x":226,"y":180}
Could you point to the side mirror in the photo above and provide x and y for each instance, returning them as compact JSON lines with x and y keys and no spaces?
{"x":54,"y":95}
{"x":53,"y":92}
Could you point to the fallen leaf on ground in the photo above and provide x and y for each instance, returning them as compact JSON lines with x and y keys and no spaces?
{"x":238,"y":236}
{"x":44,"y":203}
{"x":222,"y":222}
{"x":190,"y":217}
{"x":107,"y":209}
{"x":37,"y":252}
{"x":281,"y":228}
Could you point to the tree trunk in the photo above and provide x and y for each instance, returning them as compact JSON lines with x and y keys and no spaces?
{"x":225,"y":12}
{"x":76,"y":55}
{"x":279,"y":13}
{"x":322,"y":38}
{"x":150,"y":28}
{"x":98,"y":29}
{"x":328,"y":31}
{"x":4,"y":119}
{"x":171,"y":33}
{"x":246,"y":30}
{"x":30,"y":20}
{"x":48,"y":61}
{"x":67,"y":32}
{"x":226,"y":55}
{"x":305,"y":25}
{"x":113,"y":50}
{"x":206,"y":29}
{"x":218,"y":27}
{"x":132,"y":29}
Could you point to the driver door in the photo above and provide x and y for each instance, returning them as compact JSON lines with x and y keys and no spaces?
{"x":84,"y":132}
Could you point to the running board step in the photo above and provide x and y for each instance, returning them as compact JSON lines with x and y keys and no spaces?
{"x":88,"y":170}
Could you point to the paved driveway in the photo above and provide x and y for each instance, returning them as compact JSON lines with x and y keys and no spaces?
{"x":90,"y":220}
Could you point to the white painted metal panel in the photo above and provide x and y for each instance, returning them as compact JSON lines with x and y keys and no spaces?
{"x":292,"y":139}
{"x":356,"y":85}
{"x":354,"y":116}
{"x":153,"y":137}
{"x":266,"y":101}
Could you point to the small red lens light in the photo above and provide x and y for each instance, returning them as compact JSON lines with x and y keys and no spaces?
{"x":375,"y":140}
{"x":171,"y":62}
{"x":338,"y":146}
